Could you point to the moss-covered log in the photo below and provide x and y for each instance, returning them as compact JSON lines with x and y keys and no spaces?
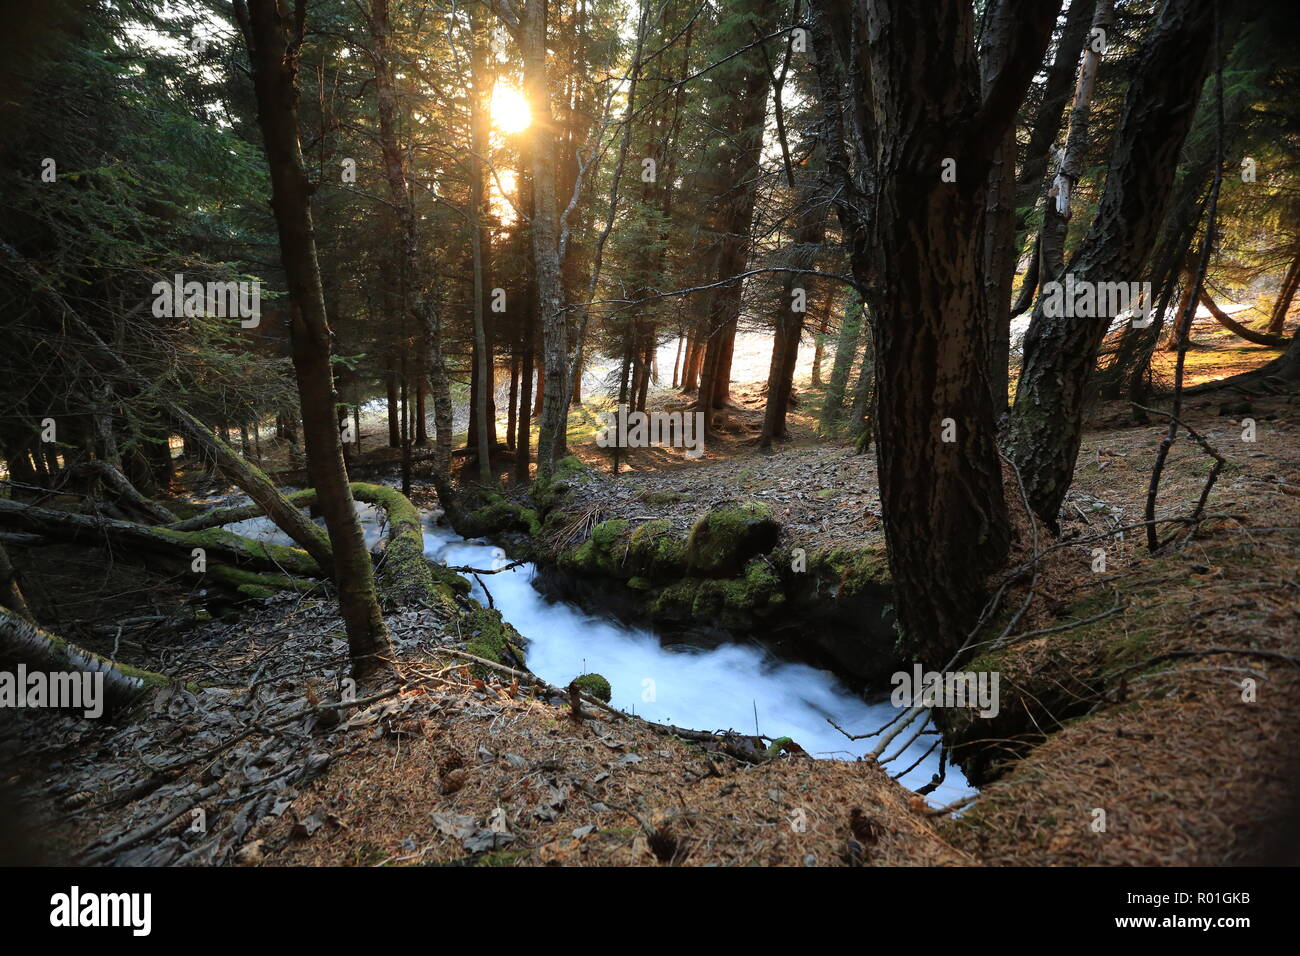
{"x":219,"y":517}
{"x":23,"y":642}
{"x":405,"y":576}
{"x":218,"y":545}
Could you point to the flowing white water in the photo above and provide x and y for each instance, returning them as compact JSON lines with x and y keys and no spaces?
{"x":724,"y":688}
{"x":729,"y":687}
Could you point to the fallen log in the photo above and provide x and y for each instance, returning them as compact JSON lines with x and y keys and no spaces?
{"x":23,"y":642}
{"x":250,"y":478}
{"x":127,"y":494}
{"x":218,"y":517}
{"x":404,"y":576}
{"x":218,"y":545}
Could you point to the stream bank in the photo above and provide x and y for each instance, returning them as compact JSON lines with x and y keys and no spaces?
{"x":729,"y":574}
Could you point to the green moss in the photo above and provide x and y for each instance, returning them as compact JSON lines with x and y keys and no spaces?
{"x":856,"y":570}
{"x":722,"y":541}
{"x":494,"y":514}
{"x":568,"y":467}
{"x":729,"y":602}
{"x":605,"y":552}
{"x":491,"y":638}
{"x":405,"y":576}
{"x":775,"y":748}
{"x":595,"y":685}
{"x":655,"y":552}
{"x":222,"y":542}
{"x":253,"y":584}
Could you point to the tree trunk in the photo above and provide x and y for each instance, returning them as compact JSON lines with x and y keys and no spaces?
{"x":394,"y":408}
{"x":530,"y":31}
{"x":223,"y":546}
{"x":846,"y":349}
{"x":1047,"y":120}
{"x":1277,"y":321}
{"x":915,"y":243}
{"x":21,"y":641}
{"x":273,"y":43}
{"x":1232,"y":325}
{"x":810,"y":229}
{"x":1060,"y":353}
{"x":11,"y":592}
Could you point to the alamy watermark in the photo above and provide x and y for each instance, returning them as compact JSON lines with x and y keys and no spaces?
{"x":624,"y":429}
{"x":1083,"y":299}
{"x":71,"y":690}
{"x":75,"y":908}
{"x":224,"y":300}
{"x":977,"y":689}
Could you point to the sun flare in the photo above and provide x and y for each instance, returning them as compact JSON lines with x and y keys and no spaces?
{"x":510,"y":113}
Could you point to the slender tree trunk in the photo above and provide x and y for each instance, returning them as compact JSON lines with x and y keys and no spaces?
{"x":273,"y":39}
{"x":1232,"y":325}
{"x":846,"y":348}
{"x":530,"y":31}
{"x":394,"y":410}
{"x":797,"y":293}
{"x":1282,"y":307}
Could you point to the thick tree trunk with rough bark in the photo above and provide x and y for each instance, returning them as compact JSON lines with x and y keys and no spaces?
{"x":274,"y":36}
{"x":1061,"y":351}
{"x":915,"y":238}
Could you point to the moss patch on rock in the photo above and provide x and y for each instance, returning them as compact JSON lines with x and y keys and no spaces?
{"x":852,"y":571}
{"x":492,"y":514}
{"x":490,"y":637}
{"x":732,"y":603}
{"x":722,"y":541}
{"x":595,"y":685}
{"x":603,"y":553}
{"x":656,"y":552}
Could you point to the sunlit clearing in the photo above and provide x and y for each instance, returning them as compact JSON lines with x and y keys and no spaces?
{"x":510,"y":113}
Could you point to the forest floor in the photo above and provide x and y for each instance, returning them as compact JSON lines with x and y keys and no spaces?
{"x":1124,"y":694}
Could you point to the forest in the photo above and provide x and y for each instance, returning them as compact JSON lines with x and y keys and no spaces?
{"x":649,"y":433}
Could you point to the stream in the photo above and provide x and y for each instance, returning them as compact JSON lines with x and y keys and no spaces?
{"x":733,"y":686}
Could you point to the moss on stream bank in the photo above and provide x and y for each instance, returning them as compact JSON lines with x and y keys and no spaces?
{"x":727,"y":573}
